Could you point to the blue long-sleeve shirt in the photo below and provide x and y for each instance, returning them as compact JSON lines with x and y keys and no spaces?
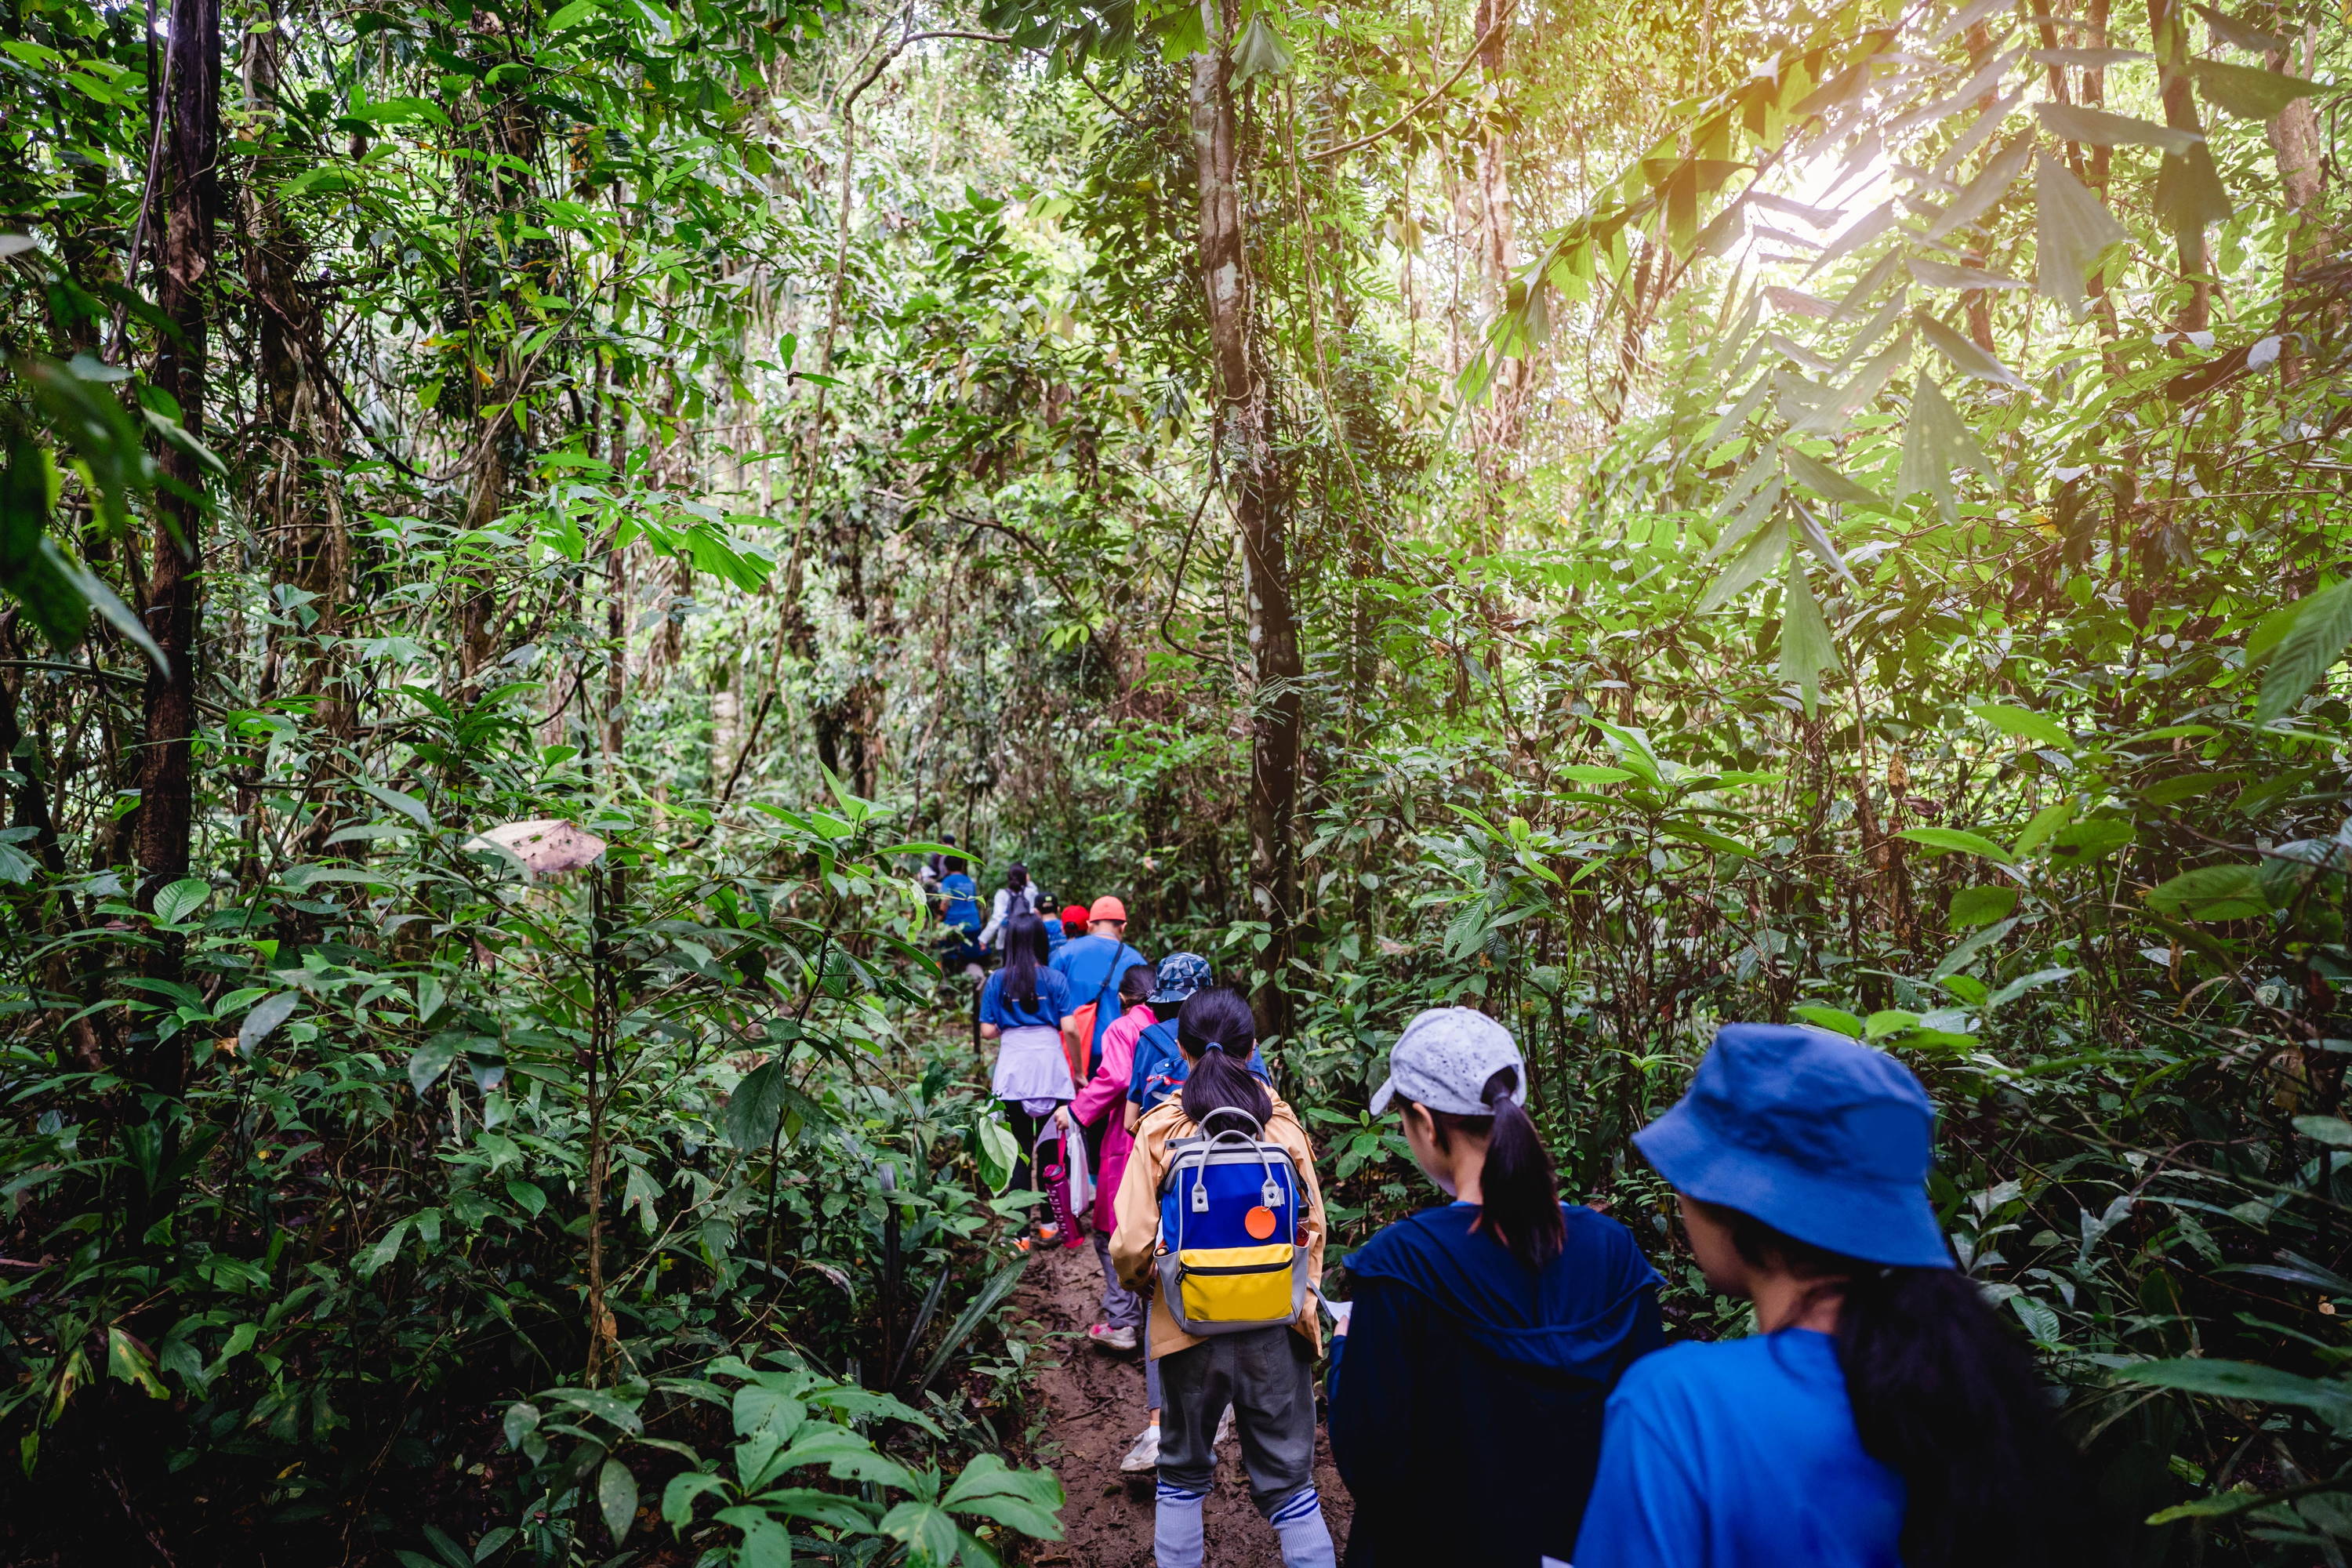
{"x":1466,"y":1397}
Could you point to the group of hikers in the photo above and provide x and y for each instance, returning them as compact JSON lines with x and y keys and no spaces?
{"x":1500,"y":1388}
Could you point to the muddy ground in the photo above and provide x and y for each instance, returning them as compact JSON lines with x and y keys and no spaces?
{"x":1093,"y":1408}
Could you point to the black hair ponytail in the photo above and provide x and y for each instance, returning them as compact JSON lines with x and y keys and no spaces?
{"x":1519,"y":1196}
{"x":1517,"y":1191}
{"x":1025,"y":948}
{"x":1218,"y":1031}
{"x":1945,"y":1395}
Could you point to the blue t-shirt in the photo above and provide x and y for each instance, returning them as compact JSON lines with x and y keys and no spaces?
{"x":1161,"y":1068}
{"x":1093,"y":966}
{"x":1055,"y":937}
{"x":963,"y":902}
{"x":1046,"y":1012}
{"x":1739,"y":1454}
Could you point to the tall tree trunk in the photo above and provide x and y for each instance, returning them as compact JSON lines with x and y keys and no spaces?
{"x":1499,"y":424}
{"x":1245,"y":435}
{"x":184,"y":262}
{"x":2168,"y":28}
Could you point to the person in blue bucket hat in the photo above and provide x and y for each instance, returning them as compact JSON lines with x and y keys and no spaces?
{"x":1882,"y":1416}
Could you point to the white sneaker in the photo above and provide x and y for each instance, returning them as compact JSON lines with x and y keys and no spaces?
{"x":1145,"y":1454}
{"x":1119,"y":1338}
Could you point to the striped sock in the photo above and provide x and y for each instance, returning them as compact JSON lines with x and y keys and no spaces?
{"x":1176,"y":1529}
{"x":1305,"y":1538}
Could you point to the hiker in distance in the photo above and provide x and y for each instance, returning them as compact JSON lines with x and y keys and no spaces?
{"x":1882,"y":1416}
{"x":1484,"y":1334}
{"x":1019,"y":895}
{"x":1221,"y":1223}
{"x":1021,"y":1007}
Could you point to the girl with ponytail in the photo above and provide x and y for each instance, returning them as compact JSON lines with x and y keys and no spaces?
{"x":1470,"y":1372}
{"x":1265,"y":1376}
{"x":1883,"y":1414}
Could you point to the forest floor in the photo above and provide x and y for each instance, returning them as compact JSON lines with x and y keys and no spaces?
{"x":1092,"y":1408}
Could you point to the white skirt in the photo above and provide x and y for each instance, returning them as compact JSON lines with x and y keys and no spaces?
{"x":1030,"y":1066}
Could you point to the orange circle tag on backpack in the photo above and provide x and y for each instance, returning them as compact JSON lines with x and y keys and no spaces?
{"x":1259,"y":1222}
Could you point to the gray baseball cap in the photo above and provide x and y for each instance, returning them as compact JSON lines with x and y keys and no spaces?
{"x":1443,"y":1060}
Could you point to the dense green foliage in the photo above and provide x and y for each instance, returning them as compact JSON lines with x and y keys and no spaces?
{"x":1779,"y":514}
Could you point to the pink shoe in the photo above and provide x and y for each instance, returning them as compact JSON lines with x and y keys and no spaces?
{"x":1122,"y":1337}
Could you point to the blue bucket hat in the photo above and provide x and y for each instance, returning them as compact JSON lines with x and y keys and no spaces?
{"x":1179,"y":974}
{"x":1820,"y":1138}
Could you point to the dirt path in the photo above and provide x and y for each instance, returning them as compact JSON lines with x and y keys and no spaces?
{"x":1093,"y":1409}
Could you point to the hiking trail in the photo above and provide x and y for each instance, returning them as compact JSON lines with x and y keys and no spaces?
{"x":1093,"y":1407}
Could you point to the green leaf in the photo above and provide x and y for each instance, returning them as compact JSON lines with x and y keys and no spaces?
{"x":2046,"y":821}
{"x":1935,"y":440}
{"x":263,"y":1021}
{"x":2332,"y":1131}
{"x":997,"y":1152}
{"x":1807,"y":649}
{"x":2210,"y":893}
{"x":1964,"y":355}
{"x":430,"y":1060}
{"x":2228,"y":29}
{"x":2311,"y":645}
{"x":2023,"y":984}
{"x":1980,"y":907}
{"x":1958,"y":840}
{"x":521,"y":1420}
{"x":2099,"y":129}
{"x":1888,"y":1021}
{"x":825,"y":1508}
{"x":570,"y":16}
{"x":528,"y":1196}
{"x":1589,"y":774}
{"x":1837,"y":1020}
{"x":766,"y":1543}
{"x":756,"y":1107}
{"x":177,"y":901}
{"x":1260,"y":51}
{"x":1761,"y":505}
{"x":407,"y":804}
{"x":1836,"y":411}
{"x":929,"y":1534}
{"x":386,"y":1248}
{"x":1827,"y":482}
{"x":679,"y":1497}
{"x":616,"y":1497}
{"x":1751,"y":566}
{"x":2073,"y":230}
{"x":2093,"y":839}
{"x":2245,"y":1380}
{"x":2189,"y":190}
{"x":1992,"y":181}
{"x":2246,"y":91}
{"x":128,"y":1363}
{"x":2023,"y":723}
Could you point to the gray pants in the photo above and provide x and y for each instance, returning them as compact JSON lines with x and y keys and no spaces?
{"x":1267,"y":1375}
{"x":1122,"y":1307}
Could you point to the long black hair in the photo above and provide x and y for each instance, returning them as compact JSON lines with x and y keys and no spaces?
{"x":1945,"y":1393}
{"x":1519,"y":1196}
{"x":1217,"y":1032}
{"x":1016,"y":882}
{"x":1024,"y":952}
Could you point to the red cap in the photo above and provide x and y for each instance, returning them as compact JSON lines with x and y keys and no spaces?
{"x":1107,"y":908}
{"x":1076,"y":915}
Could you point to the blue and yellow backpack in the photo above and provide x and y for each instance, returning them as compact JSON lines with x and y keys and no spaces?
{"x":1232,"y":1254}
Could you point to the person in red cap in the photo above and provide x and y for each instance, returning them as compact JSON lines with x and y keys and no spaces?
{"x":1092,"y":966}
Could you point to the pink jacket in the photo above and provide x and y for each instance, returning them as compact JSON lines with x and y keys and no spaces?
{"x":1105,"y":1095}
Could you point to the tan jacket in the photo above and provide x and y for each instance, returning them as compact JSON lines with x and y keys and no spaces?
{"x":1134,"y":1242}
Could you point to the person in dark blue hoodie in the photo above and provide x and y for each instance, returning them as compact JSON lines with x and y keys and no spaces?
{"x":1472,"y":1365}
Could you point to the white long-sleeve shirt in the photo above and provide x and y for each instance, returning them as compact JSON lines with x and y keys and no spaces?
{"x":1003,"y":911}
